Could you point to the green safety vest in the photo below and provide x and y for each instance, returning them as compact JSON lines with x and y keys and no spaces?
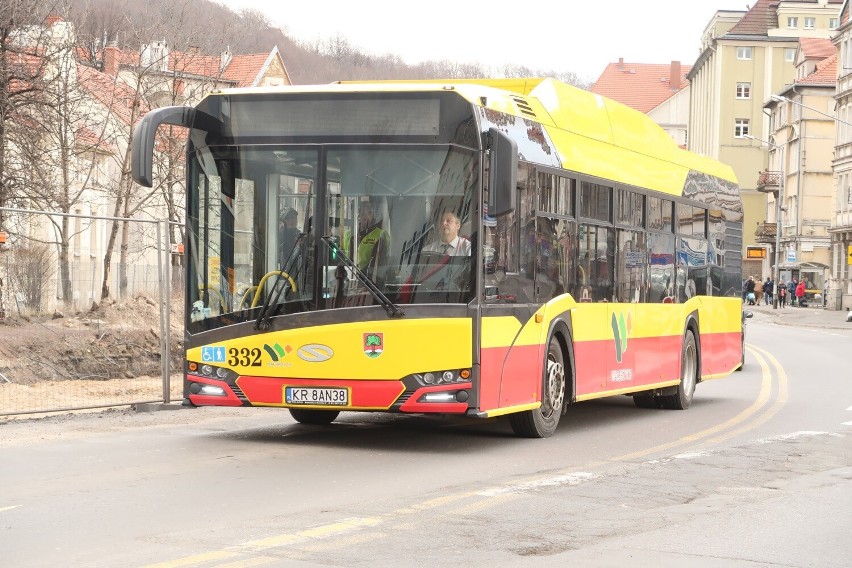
{"x":373,"y":245}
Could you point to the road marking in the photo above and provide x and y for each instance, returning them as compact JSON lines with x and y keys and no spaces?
{"x":757,"y":405}
{"x":248,"y":562}
{"x":536,"y":484}
{"x":780,"y":397}
{"x":196,"y":559}
{"x":495,"y":495}
{"x":795,"y":436}
{"x":9,"y":508}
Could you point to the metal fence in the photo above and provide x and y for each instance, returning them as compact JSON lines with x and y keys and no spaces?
{"x":64,"y":348}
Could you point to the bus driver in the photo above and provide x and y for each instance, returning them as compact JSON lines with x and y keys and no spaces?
{"x":449,"y":242}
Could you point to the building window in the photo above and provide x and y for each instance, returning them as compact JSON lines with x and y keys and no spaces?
{"x":810,"y":23}
{"x":744,"y":53}
{"x":743,"y":90}
{"x":790,"y":54}
{"x":741,"y":128}
{"x":832,"y":23}
{"x":792,"y":22}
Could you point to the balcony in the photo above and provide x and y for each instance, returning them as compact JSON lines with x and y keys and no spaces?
{"x":765,"y":233}
{"x":769,"y":182}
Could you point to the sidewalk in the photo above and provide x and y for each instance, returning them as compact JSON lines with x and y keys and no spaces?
{"x":808,"y":317}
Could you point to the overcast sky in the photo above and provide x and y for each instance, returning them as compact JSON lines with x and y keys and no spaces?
{"x":558,"y":35}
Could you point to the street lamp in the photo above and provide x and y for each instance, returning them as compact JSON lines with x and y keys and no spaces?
{"x":778,"y":209}
{"x":783,"y":99}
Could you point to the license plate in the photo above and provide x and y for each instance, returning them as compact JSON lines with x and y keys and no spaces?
{"x":316,"y":396}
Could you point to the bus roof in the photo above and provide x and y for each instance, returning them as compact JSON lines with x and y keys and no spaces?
{"x":591,"y":133}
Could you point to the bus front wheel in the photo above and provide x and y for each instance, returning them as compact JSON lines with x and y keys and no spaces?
{"x":315,"y":417}
{"x":542,"y":421}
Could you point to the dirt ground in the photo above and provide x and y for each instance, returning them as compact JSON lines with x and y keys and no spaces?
{"x":107,"y":355}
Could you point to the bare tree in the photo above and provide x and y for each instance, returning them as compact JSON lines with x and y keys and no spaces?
{"x":24,"y":52}
{"x":161,"y":77}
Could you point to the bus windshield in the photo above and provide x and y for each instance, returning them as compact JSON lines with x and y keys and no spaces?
{"x":277,"y":224}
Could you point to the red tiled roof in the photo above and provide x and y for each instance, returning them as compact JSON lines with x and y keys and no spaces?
{"x":642,"y":86}
{"x":87,"y":137}
{"x":816,"y":48}
{"x":758,"y":20}
{"x":23,"y":70}
{"x":194,"y":63}
{"x":825,"y":72}
{"x":763,"y":16}
{"x":115,"y":95}
{"x":244,"y":69}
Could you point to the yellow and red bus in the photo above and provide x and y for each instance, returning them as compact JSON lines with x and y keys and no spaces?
{"x":598,"y":258}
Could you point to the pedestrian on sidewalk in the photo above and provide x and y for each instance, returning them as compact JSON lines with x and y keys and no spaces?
{"x":800,"y":291}
{"x":758,"y":290}
{"x":749,"y":288}
{"x":768,"y":290}
{"x":782,"y":294}
{"x":791,"y":291}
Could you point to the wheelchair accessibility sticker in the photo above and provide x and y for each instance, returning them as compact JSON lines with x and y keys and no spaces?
{"x":213,"y":354}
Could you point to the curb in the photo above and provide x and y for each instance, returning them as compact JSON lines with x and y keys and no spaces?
{"x":156,"y":406}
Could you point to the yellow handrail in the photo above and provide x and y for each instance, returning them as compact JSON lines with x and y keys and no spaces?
{"x":265,"y":278}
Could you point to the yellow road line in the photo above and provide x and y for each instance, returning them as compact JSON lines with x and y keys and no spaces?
{"x":249,"y":562}
{"x":780,"y":398}
{"x":2,"y":509}
{"x":486,"y":499}
{"x":195,"y":559}
{"x":760,"y":401}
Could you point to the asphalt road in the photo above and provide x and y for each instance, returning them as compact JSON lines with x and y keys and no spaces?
{"x":757,"y":473}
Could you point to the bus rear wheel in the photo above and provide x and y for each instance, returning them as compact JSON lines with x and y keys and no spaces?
{"x":542,"y":421}
{"x":688,"y":376}
{"x":315,"y":417}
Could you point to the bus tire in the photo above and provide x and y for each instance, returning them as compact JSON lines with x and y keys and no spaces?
{"x":645,"y":401}
{"x":742,"y":352}
{"x":541,"y":422}
{"x":688,"y":376}
{"x":314,"y":417}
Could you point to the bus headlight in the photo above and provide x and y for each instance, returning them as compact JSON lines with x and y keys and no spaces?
{"x":211,"y":390}
{"x":446,"y":377}
{"x":209,"y":371}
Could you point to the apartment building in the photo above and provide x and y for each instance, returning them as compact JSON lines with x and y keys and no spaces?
{"x":840,"y":230}
{"x":112,"y":88}
{"x":801,"y":129}
{"x":746,"y":58}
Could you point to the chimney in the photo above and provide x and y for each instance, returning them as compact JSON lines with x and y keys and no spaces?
{"x":111,"y":56}
{"x":621,"y":63}
{"x":675,"y":78}
{"x":225,"y":58}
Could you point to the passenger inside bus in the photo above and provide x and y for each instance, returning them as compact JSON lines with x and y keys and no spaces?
{"x":287,"y":234}
{"x":373,"y":243}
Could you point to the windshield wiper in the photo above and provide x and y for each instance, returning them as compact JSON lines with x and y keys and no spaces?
{"x":277,"y":291}
{"x":392,"y":309}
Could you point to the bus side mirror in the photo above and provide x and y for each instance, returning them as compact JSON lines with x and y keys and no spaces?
{"x":503,"y":173}
{"x":145,"y":136}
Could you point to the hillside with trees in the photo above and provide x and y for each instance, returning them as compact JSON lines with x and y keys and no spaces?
{"x":213,"y":28}
{"x":76,"y":75}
